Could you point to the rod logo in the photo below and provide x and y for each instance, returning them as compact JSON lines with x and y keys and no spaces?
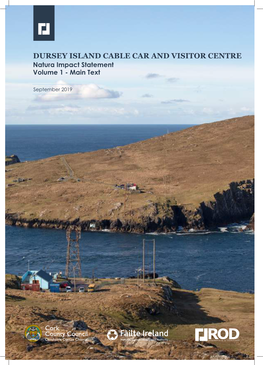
{"x":205,"y":334}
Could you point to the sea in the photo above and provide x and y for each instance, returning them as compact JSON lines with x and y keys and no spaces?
{"x":223,"y":259}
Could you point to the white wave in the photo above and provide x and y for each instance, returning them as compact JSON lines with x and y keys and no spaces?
{"x":250,"y":231}
{"x":195,"y":233}
{"x":199,"y":276}
{"x":223,"y":229}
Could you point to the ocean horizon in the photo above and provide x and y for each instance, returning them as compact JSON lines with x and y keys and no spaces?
{"x":34,"y":142}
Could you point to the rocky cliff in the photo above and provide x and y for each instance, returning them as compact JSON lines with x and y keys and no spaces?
{"x":10,"y":160}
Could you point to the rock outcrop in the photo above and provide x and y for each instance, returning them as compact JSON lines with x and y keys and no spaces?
{"x":12,"y":281}
{"x":233,"y":205}
{"x":10,"y":160}
{"x":251,"y":224}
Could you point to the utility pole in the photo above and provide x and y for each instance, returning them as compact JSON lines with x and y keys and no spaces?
{"x":73,"y":265}
{"x":28,"y":265}
{"x":74,"y":280}
{"x":143,"y":258}
{"x":154,"y":260}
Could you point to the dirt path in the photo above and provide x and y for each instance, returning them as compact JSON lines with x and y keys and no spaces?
{"x":69,"y":170}
{"x":72,"y":175}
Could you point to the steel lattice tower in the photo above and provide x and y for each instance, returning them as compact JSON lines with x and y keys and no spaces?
{"x":73,"y":265}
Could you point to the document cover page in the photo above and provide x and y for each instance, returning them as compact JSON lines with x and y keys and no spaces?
{"x":129,"y":182}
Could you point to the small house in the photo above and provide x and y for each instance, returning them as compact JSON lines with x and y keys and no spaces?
{"x":40,"y":277}
{"x":27,"y":283}
{"x":132,"y":186}
{"x":26,"y":277}
{"x":44,"y":279}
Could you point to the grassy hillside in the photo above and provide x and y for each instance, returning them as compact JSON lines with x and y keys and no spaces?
{"x":126,"y":306}
{"x":181,"y":168}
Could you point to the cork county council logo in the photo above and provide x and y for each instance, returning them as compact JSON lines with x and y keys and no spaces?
{"x":33,"y":333}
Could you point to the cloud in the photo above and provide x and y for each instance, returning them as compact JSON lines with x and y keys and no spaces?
{"x":199,"y":89}
{"x":61,"y":109}
{"x":50,"y":106}
{"x":175,"y":101}
{"x":53,"y":109}
{"x":79,"y":92}
{"x":147,"y":96}
{"x":172,"y":79}
{"x":153,"y":76}
{"x":208,"y":111}
{"x":245,"y":109}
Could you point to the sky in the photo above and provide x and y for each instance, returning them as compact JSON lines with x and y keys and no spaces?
{"x":154,"y":91}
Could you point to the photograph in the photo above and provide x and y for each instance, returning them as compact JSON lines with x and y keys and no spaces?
{"x":129,"y":182}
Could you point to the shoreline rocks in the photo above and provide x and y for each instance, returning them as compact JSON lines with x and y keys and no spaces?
{"x":10,"y":160}
{"x":233,"y":205}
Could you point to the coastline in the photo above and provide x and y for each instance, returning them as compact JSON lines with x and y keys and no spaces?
{"x":233,"y":205}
